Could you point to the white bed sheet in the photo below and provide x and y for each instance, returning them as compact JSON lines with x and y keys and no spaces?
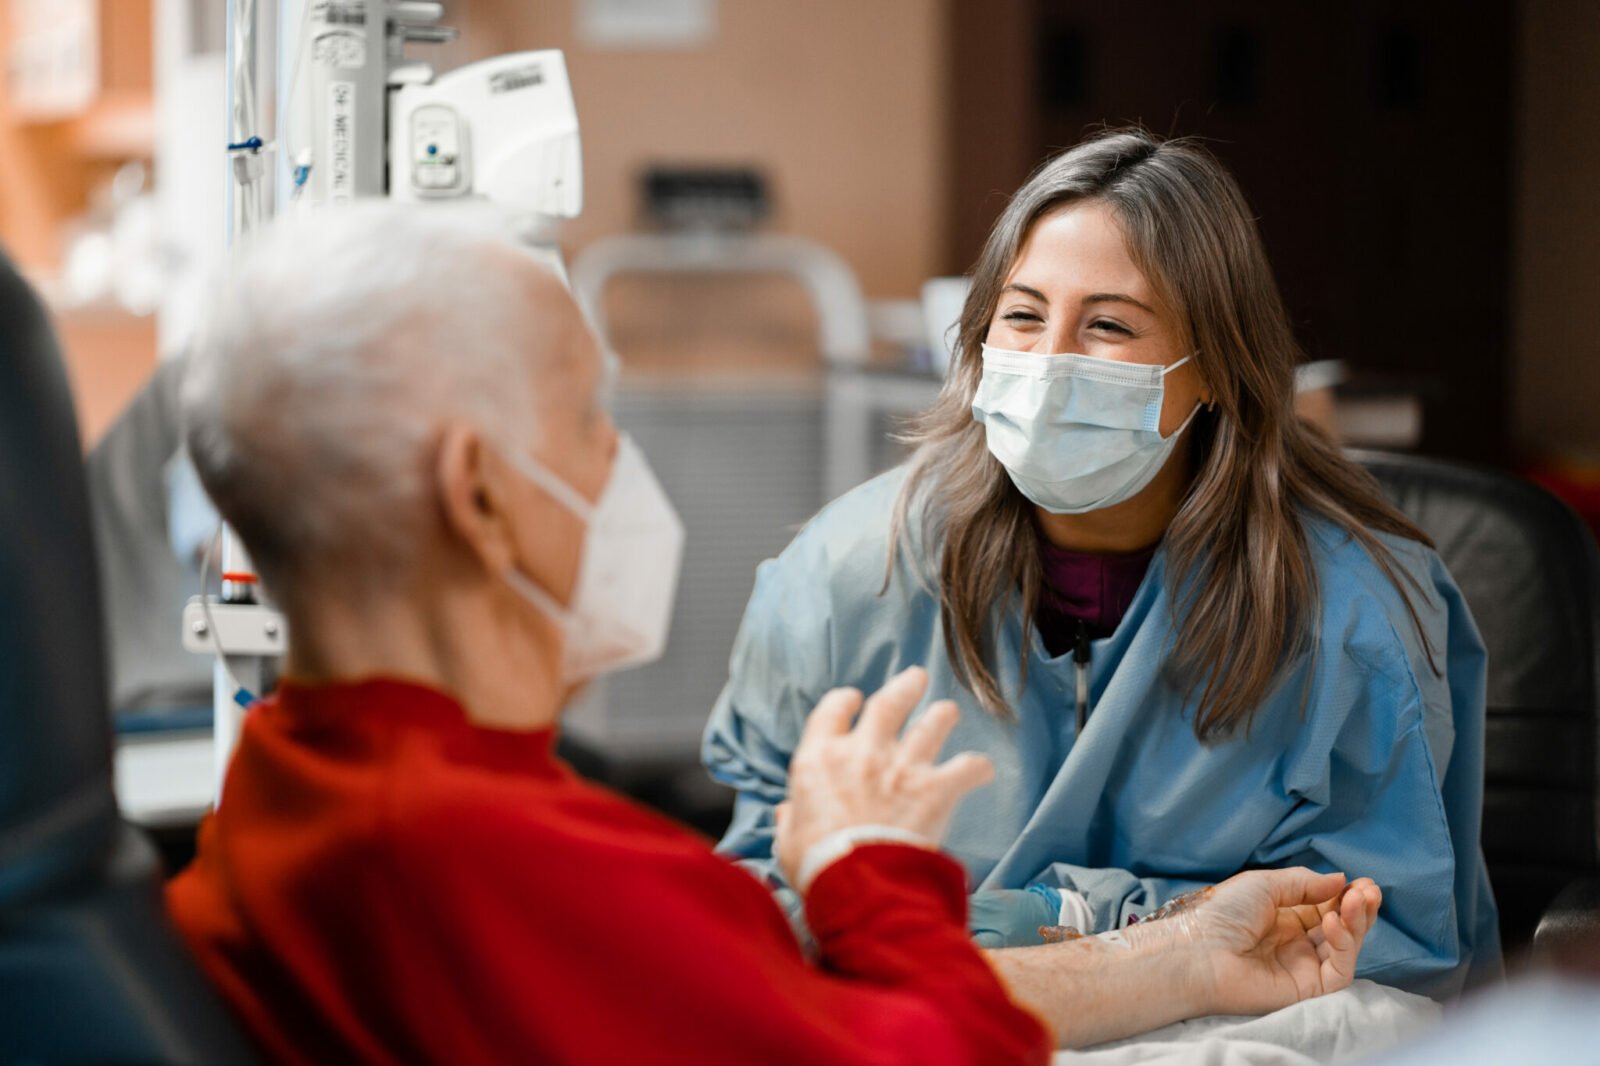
{"x":1359,"y":1021}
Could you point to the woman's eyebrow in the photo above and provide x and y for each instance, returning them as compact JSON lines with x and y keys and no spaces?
{"x":1027,"y":291}
{"x":1118,"y":298}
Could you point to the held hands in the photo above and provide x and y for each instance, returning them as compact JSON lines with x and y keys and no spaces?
{"x":871,"y":775}
{"x":1269,"y":938}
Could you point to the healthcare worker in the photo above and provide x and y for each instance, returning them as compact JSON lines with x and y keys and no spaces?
{"x":1191,"y":635}
{"x":402,"y":415}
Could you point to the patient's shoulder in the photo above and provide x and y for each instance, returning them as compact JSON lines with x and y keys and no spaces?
{"x":573,"y":844}
{"x":462,"y":804}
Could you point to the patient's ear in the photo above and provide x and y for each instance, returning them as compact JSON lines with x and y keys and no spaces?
{"x":470,"y":484}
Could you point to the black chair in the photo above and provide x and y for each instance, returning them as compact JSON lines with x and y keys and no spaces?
{"x":1530,"y":571}
{"x":90,"y":970}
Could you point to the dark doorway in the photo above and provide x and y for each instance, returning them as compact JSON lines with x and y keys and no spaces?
{"x":1372,"y":139}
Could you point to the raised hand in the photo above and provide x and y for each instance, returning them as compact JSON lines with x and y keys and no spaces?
{"x":841,"y":777}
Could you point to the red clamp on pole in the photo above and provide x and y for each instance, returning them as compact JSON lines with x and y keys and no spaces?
{"x":239,"y":586}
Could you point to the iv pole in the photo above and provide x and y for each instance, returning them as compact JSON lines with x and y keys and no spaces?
{"x":237,"y":629}
{"x":241,"y":632}
{"x":349,"y":57}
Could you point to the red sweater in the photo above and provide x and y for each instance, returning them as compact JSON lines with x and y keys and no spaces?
{"x":386,"y":882}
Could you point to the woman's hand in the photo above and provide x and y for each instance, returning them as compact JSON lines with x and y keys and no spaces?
{"x":871,"y":775}
{"x":1269,"y":938}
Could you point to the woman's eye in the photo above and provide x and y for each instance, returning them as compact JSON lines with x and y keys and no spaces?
{"x":1020,"y":316}
{"x":1114,"y":327}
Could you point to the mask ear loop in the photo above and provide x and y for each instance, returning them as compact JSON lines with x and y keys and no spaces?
{"x":566,"y":496}
{"x":537,"y":596}
{"x":1212,"y":406}
{"x":1169,"y":369}
{"x":1179,"y":431}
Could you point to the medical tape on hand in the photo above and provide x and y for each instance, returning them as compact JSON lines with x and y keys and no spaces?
{"x":1113,"y":938}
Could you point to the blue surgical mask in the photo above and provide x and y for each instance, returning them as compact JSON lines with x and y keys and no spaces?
{"x":1075,"y":433}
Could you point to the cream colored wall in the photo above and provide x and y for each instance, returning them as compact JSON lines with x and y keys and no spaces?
{"x":841,"y":102}
{"x":1556,"y":282}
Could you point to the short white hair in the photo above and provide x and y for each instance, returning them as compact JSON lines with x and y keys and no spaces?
{"x":336,"y":344}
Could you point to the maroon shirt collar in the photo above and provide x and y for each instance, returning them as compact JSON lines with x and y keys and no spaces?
{"x":1094,"y":587}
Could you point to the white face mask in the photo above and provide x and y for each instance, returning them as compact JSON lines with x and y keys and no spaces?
{"x":1075,"y":433}
{"x":628,"y":574}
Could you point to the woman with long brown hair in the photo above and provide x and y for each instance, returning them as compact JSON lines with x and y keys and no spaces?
{"x":1192,"y":636}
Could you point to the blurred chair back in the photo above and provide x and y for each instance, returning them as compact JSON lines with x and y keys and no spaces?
{"x":143,"y":583}
{"x":1530,"y":571}
{"x":90,"y":971}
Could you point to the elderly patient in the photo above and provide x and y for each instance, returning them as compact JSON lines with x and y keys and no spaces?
{"x":402,"y":415}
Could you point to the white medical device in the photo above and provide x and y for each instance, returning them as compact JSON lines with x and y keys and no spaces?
{"x":357,"y":118}
{"x":503,"y":129}
{"x":364,"y":120}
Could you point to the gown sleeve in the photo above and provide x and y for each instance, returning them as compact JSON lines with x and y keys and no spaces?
{"x":1385,"y":825}
{"x":1369,"y":805}
{"x":1403,"y":843}
{"x":1398,"y":795}
{"x":779,"y":670}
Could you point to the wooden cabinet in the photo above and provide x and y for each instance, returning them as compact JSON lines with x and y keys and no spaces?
{"x":75,"y":105}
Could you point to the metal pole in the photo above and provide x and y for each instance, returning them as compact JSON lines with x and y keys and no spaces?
{"x":248,"y":207}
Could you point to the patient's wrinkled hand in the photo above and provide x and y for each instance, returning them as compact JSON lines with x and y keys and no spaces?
{"x":841,"y":777}
{"x":1268,"y":938}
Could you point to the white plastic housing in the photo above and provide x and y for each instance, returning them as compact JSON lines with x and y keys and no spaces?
{"x":504,"y":129}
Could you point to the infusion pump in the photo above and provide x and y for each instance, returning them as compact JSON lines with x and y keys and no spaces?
{"x":504,"y":129}
{"x":370,"y":122}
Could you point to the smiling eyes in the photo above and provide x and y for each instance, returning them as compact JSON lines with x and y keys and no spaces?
{"x":1105,"y":325}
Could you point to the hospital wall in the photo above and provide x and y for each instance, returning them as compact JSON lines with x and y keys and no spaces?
{"x":839,"y":102}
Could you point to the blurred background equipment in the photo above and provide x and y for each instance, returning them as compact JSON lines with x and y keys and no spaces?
{"x":735,"y":433}
{"x":356,"y":118}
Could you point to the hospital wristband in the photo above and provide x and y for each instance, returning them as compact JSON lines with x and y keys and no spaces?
{"x":839,"y":843}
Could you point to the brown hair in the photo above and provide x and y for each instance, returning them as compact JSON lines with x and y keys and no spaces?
{"x":1248,"y":595}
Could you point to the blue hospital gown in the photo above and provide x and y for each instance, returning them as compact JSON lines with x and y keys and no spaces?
{"x":1363,"y":759}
